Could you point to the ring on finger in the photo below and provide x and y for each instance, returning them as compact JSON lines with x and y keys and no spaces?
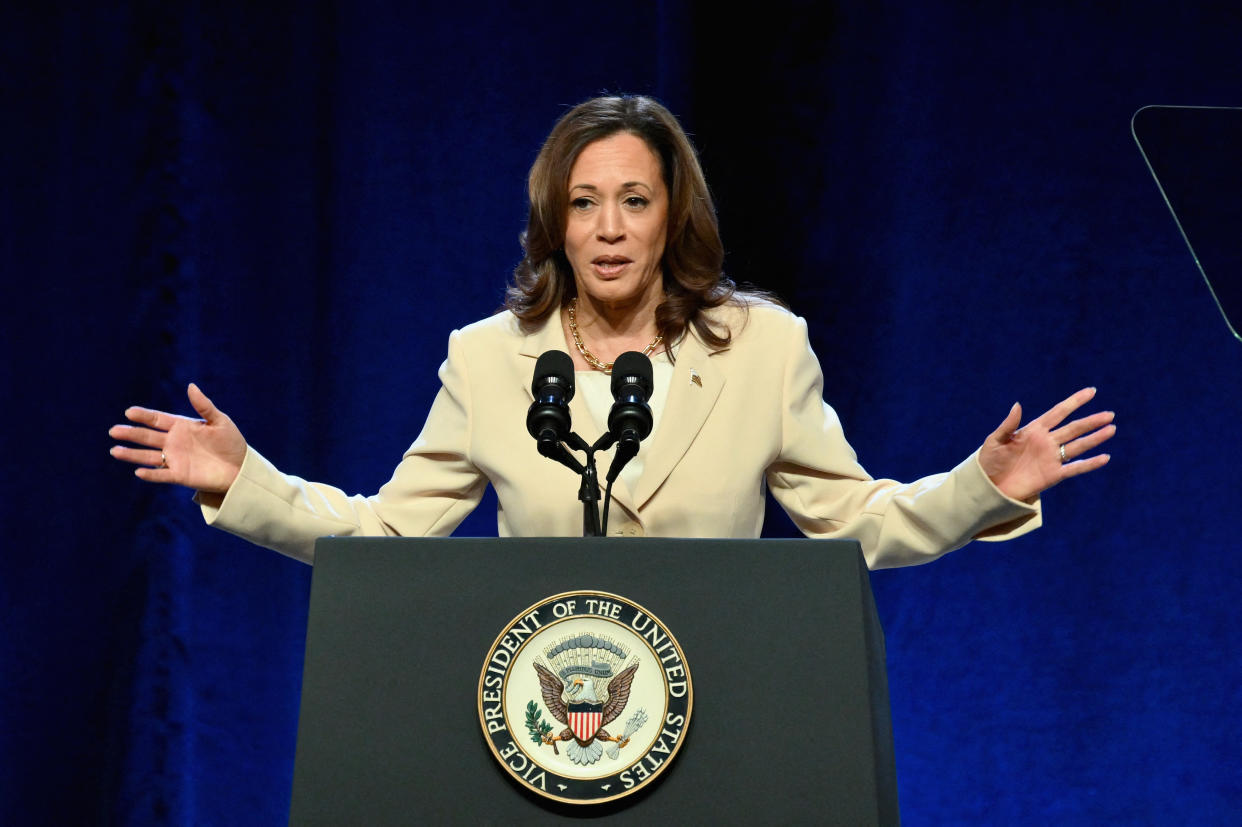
{"x":164,"y":459}
{"x":1061,"y":450}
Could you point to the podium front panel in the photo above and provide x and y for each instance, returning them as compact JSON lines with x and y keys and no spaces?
{"x":790,"y":719}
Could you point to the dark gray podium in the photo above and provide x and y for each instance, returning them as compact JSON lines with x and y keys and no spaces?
{"x":790,"y":721}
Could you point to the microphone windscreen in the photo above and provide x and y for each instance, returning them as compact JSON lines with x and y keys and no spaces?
{"x":632,"y":367}
{"x":557,"y":366}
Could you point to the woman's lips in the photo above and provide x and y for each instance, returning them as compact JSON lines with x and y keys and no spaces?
{"x":610,"y":266}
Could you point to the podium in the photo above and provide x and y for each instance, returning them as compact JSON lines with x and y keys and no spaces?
{"x":790,"y":720}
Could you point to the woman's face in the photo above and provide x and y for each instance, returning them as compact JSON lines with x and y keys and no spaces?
{"x":617,"y":223}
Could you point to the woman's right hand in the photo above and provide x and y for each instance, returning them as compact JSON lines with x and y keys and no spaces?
{"x":204,"y":454}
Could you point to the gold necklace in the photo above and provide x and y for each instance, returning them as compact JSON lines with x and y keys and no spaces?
{"x":590,"y":357}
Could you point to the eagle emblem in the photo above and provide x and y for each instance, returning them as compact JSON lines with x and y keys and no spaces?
{"x":582,"y":689}
{"x":565,"y":691}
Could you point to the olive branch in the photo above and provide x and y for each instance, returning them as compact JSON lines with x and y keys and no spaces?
{"x":535,"y":724}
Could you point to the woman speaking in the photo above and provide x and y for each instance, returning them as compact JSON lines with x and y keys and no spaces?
{"x":623,"y":253}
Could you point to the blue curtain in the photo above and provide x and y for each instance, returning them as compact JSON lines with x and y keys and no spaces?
{"x":292,"y":205}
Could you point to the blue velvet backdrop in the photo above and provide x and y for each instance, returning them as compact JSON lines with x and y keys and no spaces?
{"x":294,"y":205}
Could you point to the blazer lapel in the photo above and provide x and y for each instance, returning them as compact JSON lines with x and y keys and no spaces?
{"x":697,"y":383}
{"x":538,"y":342}
{"x":696,"y":386}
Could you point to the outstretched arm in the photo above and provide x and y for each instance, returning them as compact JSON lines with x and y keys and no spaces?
{"x":1024,"y":461}
{"x":204,"y":454}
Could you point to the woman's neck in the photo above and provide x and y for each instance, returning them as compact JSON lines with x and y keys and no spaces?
{"x":607,"y":331}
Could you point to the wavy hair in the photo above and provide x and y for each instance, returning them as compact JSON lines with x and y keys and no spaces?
{"x":694,"y":279}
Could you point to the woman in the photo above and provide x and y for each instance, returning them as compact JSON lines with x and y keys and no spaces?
{"x":623,"y":253}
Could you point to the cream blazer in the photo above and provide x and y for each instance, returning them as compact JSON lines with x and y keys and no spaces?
{"x":737,"y":422}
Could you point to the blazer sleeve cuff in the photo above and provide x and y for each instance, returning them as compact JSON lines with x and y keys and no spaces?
{"x":262,"y":506}
{"x":1004,"y":516}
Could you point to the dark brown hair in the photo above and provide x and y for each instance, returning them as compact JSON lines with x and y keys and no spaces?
{"x":693,"y":254}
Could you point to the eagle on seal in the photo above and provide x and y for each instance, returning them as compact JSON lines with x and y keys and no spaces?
{"x":591,"y":713}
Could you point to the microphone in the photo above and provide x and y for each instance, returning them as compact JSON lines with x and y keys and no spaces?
{"x":547,"y":419}
{"x":629,"y":421}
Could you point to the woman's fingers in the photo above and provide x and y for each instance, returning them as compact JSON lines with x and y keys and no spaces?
{"x":138,"y":436}
{"x":155,"y":475}
{"x":1006,"y":429}
{"x":202,"y":404}
{"x":1078,"y":447}
{"x":205,"y":454}
{"x":138,"y":456}
{"x":1059,"y":412}
{"x":1075,"y":429}
{"x":1082,"y":435}
{"x":152,"y":419}
{"x":1082,"y":466}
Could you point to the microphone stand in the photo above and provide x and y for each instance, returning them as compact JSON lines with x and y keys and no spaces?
{"x":588,"y":493}
{"x":588,"y":490}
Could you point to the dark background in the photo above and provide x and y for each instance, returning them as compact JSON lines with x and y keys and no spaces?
{"x":294,"y":205}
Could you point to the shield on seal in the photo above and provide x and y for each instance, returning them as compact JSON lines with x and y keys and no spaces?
{"x":584,"y":720}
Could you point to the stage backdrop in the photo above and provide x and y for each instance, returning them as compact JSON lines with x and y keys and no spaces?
{"x":294,"y":205}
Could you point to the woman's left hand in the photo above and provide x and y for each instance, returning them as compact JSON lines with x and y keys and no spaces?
{"x":1023,"y":461}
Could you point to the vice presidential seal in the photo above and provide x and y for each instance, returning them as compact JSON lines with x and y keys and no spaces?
{"x":585,"y":697}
